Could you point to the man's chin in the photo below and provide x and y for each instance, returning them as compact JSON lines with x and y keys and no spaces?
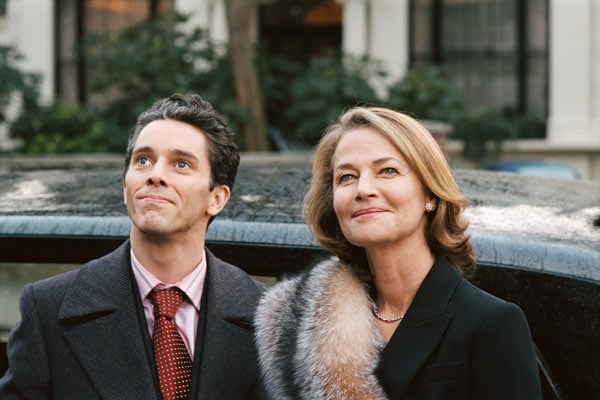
{"x":156,"y":232}
{"x":154,"y":227}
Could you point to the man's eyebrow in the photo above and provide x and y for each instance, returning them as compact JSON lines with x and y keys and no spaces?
{"x":144,"y":149}
{"x":173,"y":152}
{"x":183,"y":153}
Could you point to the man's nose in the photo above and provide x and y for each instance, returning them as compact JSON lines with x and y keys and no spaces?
{"x":157,"y":175}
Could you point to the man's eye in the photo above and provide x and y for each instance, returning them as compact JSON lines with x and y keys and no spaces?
{"x":182,"y":164}
{"x":143,"y":160}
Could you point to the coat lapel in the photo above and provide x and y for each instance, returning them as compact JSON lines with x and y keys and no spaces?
{"x":102,"y":328}
{"x":227,"y":363}
{"x":422,"y":328}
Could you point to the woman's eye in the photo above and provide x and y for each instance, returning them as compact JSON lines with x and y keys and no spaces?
{"x":345,"y":178}
{"x":143,"y":160}
{"x":389,"y":170}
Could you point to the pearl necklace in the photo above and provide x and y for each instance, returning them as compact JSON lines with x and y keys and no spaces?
{"x":381,"y":317}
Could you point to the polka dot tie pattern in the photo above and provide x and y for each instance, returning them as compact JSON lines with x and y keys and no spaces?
{"x":173,"y":361}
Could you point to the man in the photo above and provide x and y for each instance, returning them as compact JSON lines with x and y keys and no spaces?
{"x":94,"y":333}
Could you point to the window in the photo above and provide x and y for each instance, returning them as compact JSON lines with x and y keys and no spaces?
{"x":113,"y":15}
{"x":301,"y":30}
{"x":78,"y":19}
{"x":496,"y":51}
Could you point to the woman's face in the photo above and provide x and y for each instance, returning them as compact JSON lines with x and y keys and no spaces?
{"x":377,"y":198}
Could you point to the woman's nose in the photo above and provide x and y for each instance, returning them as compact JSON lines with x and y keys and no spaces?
{"x":365,"y":187}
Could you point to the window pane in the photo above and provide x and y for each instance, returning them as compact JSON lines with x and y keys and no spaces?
{"x":113,"y":15}
{"x":101,"y":16}
{"x":537,"y":74}
{"x":479,"y":47}
{"x":421,"y":24}
{"x":480,"y":42}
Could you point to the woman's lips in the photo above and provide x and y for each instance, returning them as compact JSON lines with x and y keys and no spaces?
{"x":367,"y":211}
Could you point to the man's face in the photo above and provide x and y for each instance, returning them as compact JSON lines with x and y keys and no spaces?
{"x":167,"y":185}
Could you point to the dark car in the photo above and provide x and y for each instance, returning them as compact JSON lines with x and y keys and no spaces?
{"x":537,"y":240}
{"x":536,"y":167}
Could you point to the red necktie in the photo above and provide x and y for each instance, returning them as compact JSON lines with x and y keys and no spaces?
{"x":173,"y":362}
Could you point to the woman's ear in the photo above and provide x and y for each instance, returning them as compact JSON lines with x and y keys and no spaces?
{"x":431,"y":204}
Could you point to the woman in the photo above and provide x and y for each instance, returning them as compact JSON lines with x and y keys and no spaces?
{"x":391,"y":317}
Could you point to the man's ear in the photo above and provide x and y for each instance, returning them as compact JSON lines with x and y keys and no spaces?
{"x":219,"y":198}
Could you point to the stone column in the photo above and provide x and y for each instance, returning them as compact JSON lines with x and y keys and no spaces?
{"x":572,"y":30}
{"x":206,"y":14}
{"x":29,"y":26}
{"x":355,"y":29}
{"x":389,"y":36}
{"x":378,"y":29}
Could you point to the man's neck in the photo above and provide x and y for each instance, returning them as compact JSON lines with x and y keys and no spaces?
{"x":169,"y":260}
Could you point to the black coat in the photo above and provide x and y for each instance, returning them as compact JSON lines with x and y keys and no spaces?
{"x":458,"y":342}
{"x":317,"y":339}
{"x":81,"y":337}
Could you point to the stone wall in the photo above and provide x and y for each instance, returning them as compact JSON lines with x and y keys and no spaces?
{"x":585,"y":159}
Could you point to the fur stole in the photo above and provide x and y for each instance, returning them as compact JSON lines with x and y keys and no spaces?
{"x":317,"y":338}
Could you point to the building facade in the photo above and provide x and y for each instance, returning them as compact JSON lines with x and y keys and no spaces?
{"x":540,"y":56}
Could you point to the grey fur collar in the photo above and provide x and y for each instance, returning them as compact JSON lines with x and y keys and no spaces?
{"x":317,"y":338}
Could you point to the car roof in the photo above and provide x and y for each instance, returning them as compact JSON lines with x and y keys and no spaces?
{"x":536,"y":167}
{"x":538,"y":222}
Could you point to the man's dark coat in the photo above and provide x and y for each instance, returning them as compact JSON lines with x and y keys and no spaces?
{"x":83,"y":336}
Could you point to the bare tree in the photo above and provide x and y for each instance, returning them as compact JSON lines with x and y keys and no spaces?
{"x":242,"y":28}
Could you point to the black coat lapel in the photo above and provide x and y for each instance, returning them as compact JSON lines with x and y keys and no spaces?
{"x":103,"y":331}
{"x":194,"y":391}
{"x":228,"y":365}
{"x":422,"y":328}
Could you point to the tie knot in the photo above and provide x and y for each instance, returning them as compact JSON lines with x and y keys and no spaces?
{"x":166,"y":302}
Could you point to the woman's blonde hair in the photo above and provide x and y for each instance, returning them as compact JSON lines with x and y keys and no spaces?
{"x":446,"y":228}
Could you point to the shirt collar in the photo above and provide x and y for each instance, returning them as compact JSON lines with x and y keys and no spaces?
{"x":192,"y":284}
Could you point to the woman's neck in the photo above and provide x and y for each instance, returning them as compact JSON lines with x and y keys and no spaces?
{"x":397,"y":275}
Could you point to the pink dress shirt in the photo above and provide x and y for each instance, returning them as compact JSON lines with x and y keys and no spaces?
{"x":187,"y":317}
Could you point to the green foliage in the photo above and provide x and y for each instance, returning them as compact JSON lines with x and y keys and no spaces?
{"x":130,"y":69}
{"x":427,"y":93}
{"x":152,"y":60}
{"x":483,"y":135}
{"x":14,"y":81}
{"x":527,"y":126}
{"x":59,"y":128}
{"x":328,"y":86}
{"x":277,"y":75}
